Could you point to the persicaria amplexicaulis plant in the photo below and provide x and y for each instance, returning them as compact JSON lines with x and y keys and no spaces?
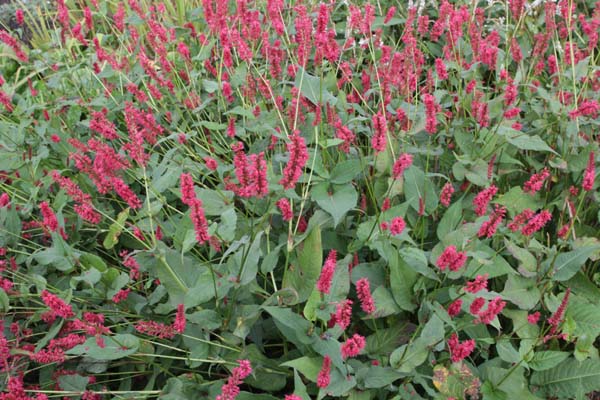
{"x":299,"y":200}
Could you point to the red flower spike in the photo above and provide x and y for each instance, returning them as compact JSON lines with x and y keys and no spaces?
{"x":363,"y":290}
{"x":459,"y":351}
{"x":590,"y":174}
{"x":353,"y":346}
{"x":324,"y":282}
{"x":452,"y":259}
{"x":323,"y":378}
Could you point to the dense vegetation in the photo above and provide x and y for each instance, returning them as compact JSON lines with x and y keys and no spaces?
{"x":301,"y":200}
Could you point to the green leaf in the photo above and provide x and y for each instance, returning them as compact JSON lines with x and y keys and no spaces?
{"x":409,"y":356}
{"x":345,"y":171}
{"x":313,"y":88}
{"x":215,"y":202}
{"x":507,"y":352}
{"x":270,"y":260}
{"x":4,"y":301}
{"x":451,"y":219}
{"x":568,"y":264}
{"x":433,"y":331}
{"x":238,"y":110}
{"x":586,"y":317}
{"x":115,"y":347}
{"x":378,"y":377}
{"x":295,"y":328}
{"x":302,"y":277}
{"x":73,"y":383}
{"x":523,"y":141}
{"x":10,"y":223}
{"x":528,"y":263}
{"x":521,"y":291}
{"x":176,"y":272}
{"x":227,"y":227}
{"x":299,"y":387}
{"x":340,"y":385}
{"x":327,"y":346}
{"x":516,"y":201}
{"x":338,"y":203}
{"x":202,"y":291}
{"x":89,"y":260}
{"x":418,"y":186}
{"x":582,"y":285}
{"x":402,"y":280}
{"x":543,"y":360}
{"x":247,"y":259}
{"x":91,"y":277}
{"x":308,"y":366}
{"x":415,"y":259}
{"x":569,"y":379}
{"x":115,"y":229}
{"x":59,"y":256}
{"x":384,"y":303}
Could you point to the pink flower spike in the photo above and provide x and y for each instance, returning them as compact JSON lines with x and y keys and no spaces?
{"x":19,"y":16}
{"x":533,"y":318}
{"x":556,"y":318}
{"x":402,"y":163}
{"x":363,"y":291}
{"x":483,"y":198}
{"x":590,"y":174}
{"x":324,"y":282}
{"x":397,"y":226}
{"x":459,"y":351}
{"x":353,"y":346}
{"x":50,"y":221}
{"x":452,"y":259}
{"x":476,"y":305}
{"x":379,"y":140}
{"x":187,"y":189}
{"x":520,"y":219}
{"x":57,"y":305}
{"x":230,"y":390}
{"x":455,"y":307}
{"x":431,"y":108}
{"x":286,"y":210}
{"x":480,"y":283}
{"x":179,"y":323}
{"x":343,"y":313}
{"x":324,"y":378}
{"x":297,"y":160}
{"x":494,"y":308}
{"x":446,"y":194}
{"x":535,"y":183}
{"x":536,"y":223}
{"x":489,"y":227}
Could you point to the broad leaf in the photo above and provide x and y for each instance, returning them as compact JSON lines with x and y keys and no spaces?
{"x":568,"y":264}
{"x":569,"y":379}
{"x":337,"y":202}
{"x":115,"y":347}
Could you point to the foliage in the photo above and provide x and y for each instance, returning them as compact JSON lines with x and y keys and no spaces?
{"x":336,"y":200}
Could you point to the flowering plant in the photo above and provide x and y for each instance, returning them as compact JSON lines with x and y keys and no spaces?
{"x":240,"y":200}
